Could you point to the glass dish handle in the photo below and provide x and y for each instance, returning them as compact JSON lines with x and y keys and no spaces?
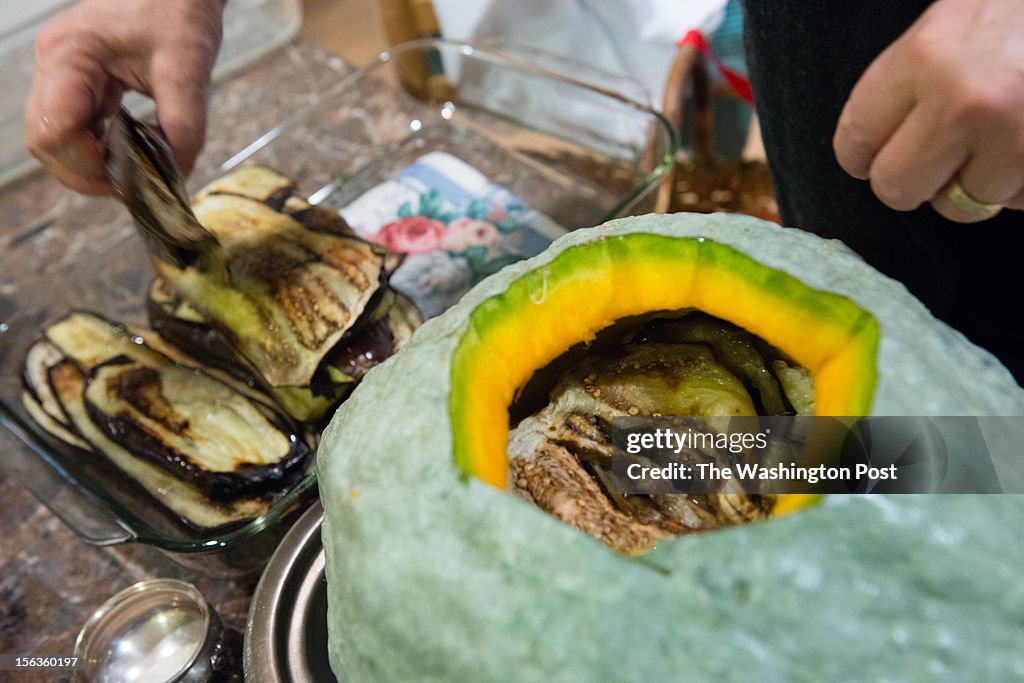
{"x":91,"y":521}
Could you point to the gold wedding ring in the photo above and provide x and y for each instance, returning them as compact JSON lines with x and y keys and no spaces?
{"x":959,"y":198}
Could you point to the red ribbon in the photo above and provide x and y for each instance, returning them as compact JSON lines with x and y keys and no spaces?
{"x":737,"y":81}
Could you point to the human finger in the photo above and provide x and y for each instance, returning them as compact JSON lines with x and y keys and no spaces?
{"x":59,"y":119}
{"x":181,"y":104}
{"x":877,"y":105}
{"x":916,"y":161}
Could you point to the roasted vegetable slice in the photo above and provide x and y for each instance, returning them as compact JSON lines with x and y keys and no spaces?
{"x":57,"y":428}
{"x":269,"y":187}
{"x":181,"y":324}
{"x":194,"y":426}
{"x":382,"y":337}
{"x":181,"y":497}
{"x":146,"y":177}
{"x":648,"y":379}
{"x":736,"y":349}
{"x":281,"y":294}
{"x":254,"y":182}
{"x":40,"y":358}
{"x":89,"y":340}
{"x":797,"y":384}
{"x":271,"y":287}
{"x":381,"y":334}
{"x":320,"y":219}
{"x":247,"y":387}
{"x":226,"y":440}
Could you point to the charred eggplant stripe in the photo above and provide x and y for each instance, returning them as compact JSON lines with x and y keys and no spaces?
{"x":140,"y":387}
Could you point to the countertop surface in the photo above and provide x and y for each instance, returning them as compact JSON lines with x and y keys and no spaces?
{"x":50,"y":580}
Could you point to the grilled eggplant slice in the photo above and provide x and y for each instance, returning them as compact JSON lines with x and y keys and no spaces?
{"x":254,"y":182}
{"x":269,"y":187}
{"x":736,"y":349}
{"x":89,"y":339}
{"x":320,"y":219}
{"x":380,"y":335}
{"x":146,"y":177}
{"x":184,"y":499}
{"x":57,"y":428}
{"x":39,"y":398}
{"x":42,"y":356}
{"x":280,"y":294}
{"x":383,"y":335}
{"x":226,"y":440}
{"x":181,"y":324}
{"x":193,"y":426}
{"x":797,"y":384}
{"x":180,"y":358}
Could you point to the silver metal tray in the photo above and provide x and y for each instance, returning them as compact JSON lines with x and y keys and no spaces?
{"x":286,"y":637}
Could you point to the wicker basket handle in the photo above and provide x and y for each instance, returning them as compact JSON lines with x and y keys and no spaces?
{"x":688,"y":66}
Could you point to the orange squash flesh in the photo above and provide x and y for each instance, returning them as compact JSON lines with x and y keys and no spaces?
{"x":590,"y":286}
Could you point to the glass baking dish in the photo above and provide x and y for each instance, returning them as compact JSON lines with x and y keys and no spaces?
{"x":574,"y":153}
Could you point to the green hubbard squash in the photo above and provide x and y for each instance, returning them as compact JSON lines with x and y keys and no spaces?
{"x":436,"y":573}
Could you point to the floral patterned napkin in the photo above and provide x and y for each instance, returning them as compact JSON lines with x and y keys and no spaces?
{"x":454,"y":226}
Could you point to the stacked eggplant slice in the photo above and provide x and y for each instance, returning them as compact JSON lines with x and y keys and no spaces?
{"x":255,"y":338}
{"x":289,"y":299}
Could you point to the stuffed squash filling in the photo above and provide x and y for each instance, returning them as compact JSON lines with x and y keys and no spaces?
{"x":685,"y":364}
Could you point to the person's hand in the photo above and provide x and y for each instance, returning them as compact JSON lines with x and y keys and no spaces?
{"x":87,"y":56}
{"x":944,"y":104}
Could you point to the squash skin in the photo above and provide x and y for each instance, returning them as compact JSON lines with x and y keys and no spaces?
{"x":433,"y":575}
